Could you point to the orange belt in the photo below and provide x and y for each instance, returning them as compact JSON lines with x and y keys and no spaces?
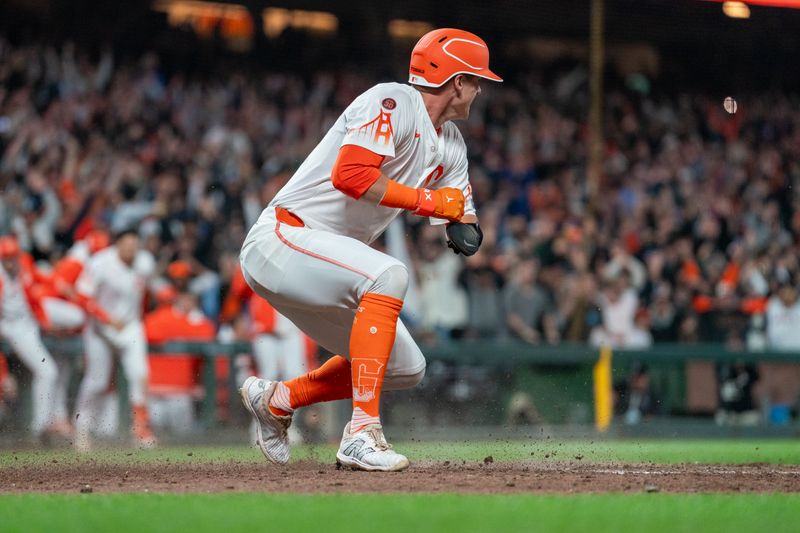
{"x":287,"y":217}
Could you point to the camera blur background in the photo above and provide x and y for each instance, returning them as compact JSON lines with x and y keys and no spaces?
{"x":622,"y":206}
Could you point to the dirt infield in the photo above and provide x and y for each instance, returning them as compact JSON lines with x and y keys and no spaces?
{"x":483,"y":477}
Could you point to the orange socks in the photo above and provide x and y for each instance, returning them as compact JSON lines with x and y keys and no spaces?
{"x":371,"y":342}
{"x":329,"y":382}
{"x":141,"y":421}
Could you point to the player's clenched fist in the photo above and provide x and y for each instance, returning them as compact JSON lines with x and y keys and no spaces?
{"x":447,"y":203}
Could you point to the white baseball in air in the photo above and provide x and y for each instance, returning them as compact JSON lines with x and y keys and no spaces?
{"x":730,"y":105}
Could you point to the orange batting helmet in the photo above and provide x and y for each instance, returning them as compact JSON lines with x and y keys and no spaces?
{"x":443,"y":53}
{"x":9,"y":247}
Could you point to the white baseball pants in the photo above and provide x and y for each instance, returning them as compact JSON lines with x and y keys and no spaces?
{"x":25,"y":339}
{"x":317,"y":279}
{"x":63,"y":316}
{"x":101,"y":343}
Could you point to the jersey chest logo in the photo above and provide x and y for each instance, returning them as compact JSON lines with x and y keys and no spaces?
{"x":380,"y":128}
{"x":434,"y":176}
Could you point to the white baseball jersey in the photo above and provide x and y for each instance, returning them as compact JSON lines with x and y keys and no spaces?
{"x":389,"y":119}
{"x":13,"y":300}
{"x":118,"y":288}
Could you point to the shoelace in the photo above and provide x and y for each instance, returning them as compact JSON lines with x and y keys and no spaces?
{"x":380,"y":440}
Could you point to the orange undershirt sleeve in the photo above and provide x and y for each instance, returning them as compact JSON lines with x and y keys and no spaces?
{"x":356,"y":169}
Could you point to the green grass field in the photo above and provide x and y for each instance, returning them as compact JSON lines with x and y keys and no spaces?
{"x":420,"y":512}
{"x":401,"y":513}
{"x":775,"y":451}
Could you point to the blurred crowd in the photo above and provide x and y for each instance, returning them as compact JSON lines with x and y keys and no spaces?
{"x":692,"y":236}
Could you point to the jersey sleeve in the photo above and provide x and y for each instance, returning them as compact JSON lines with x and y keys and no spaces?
{"x":378,"y":120}
{"x":455,"y":174}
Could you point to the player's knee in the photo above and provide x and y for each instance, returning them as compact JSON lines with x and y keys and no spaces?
{"x":392,"y":282}
{"x":403,"y":381}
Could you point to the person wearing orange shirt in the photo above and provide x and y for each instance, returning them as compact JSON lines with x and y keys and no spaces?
{"x":174,"y":380}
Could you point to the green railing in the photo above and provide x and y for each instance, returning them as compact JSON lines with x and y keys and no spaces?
{"x":569,"y":363}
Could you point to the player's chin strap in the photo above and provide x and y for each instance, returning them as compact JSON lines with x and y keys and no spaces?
{"x":464,"y":238}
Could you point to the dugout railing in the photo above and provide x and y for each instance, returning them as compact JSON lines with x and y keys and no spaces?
{"x":575,"y":365}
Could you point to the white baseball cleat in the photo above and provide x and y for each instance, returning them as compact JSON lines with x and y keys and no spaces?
{"x":271,"y":430}
{"x":367,"y":449}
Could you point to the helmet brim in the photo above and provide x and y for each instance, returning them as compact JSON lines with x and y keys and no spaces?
{"x":486,"y":74}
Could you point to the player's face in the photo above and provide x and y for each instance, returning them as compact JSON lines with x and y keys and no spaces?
{"x":127,"y":247}
{"x":467,"y":88}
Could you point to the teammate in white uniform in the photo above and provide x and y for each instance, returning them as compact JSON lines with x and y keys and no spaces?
{"x":20,"y":329}
{"x":393,"y":148}
{"x":117,"y":278}
{"x":66,"y":312}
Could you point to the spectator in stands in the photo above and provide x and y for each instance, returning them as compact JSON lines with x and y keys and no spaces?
{"x":526,"y":301}
{"x":444,"y":301}
{"x":484,"y":291}
{"x":618,"y":304}
{"x":783,"y":319}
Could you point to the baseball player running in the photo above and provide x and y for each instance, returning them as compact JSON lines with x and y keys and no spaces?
{"x":393,"y":149}
{"x":20,"y":315}
{"x":117,"y":279}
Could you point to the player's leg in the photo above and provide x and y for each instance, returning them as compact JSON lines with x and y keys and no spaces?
{"x":63,"y":317}
{"x":323,"y":274}
{"x":106,"y":421}
{"x":333,"y":380}
{"x":96,"y":379}
{"x":62,"y":424}
{"x":407,"y":364}
{"x":25,"y":340}
{"x":132,"y":347}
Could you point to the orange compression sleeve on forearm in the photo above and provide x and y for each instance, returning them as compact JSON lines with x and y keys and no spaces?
{"x":399,"y":195}
{"x":356,"y":169}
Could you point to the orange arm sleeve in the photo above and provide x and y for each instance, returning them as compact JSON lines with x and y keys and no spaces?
{"x":356,"y":169}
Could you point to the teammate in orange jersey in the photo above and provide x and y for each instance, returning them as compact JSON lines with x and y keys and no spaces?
{"x":65,"y":306}
{"x":174,"y":381}
{"x":393,"y":149}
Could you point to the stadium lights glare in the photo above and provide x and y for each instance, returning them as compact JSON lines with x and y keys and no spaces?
{"x":736,"y":10}
{"x":277,"y":19}
{"x":408,"y":29}
{"x":235,"y":22}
